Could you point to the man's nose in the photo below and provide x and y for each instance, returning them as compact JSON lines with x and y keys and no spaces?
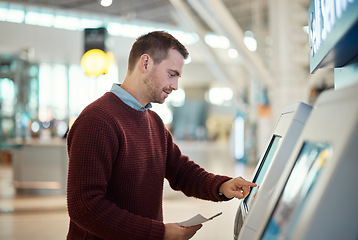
{"x":174,"y":85}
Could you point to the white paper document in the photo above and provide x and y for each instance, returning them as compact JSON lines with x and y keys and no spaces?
{"x":196,"y":220}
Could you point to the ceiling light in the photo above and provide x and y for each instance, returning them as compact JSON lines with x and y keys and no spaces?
{"x":95,"y":62}
{"x":106,"y":3}
{"x":220,"y":95}
{"x":250,"y":41}
{"x":217,"y":41}
{"x":233,"y":53}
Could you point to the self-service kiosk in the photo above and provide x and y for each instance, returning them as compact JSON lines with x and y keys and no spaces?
{"x":269,"y":168}
{"x":316,"y":197}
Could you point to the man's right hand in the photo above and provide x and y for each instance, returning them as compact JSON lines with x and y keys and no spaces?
{"x":173,"y":231}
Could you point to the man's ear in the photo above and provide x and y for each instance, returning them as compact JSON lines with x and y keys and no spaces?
{"x":144,"y":62}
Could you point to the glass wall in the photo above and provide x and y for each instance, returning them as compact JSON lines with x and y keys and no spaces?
{"x":19,"y":90}
{"x":65,"y":91}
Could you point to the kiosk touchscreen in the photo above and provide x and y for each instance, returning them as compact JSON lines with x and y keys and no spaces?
{"x":318,"y":198}
{"x":284,"y":136}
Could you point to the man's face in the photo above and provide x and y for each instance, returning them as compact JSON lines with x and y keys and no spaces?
{"x":163,"y":77}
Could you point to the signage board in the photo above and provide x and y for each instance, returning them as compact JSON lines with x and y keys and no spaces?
{"x":333,"y":32}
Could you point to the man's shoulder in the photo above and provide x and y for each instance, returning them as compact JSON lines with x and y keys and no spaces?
{"x":107,"y":103}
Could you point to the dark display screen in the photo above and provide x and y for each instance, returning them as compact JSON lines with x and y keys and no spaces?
{"x":306,"y":171}
{"x":261,"y":172}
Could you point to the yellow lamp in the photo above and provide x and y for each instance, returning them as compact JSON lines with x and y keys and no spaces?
{"x":95,"y":62}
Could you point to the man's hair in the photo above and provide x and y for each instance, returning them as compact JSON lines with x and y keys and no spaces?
{"x":157,"y":45}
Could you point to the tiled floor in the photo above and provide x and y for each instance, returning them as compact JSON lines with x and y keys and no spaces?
{"x":45,"y":217}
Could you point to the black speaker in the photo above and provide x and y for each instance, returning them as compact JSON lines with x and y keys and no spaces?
{"x":95,"y":38}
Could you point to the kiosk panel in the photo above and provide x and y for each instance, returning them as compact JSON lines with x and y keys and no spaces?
{"x":307,"y":168}
{"x":269,"y":169}
{"x":314,"y":197}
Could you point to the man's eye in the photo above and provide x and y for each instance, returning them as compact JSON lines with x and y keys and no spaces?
{"x":171,"y":75}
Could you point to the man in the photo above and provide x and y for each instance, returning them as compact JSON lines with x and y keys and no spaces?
{"x":120,"y":152}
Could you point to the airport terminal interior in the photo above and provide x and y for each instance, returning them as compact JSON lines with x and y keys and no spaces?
{"x":269,"y":92}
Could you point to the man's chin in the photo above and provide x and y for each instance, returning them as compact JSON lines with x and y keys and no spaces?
{"x":159,"y":101}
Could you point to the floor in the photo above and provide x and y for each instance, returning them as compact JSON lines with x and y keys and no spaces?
{"x":44,"y":217}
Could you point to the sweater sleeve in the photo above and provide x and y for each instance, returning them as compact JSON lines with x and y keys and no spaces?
{"x":189,"y":177}
{"x":92,"y":148}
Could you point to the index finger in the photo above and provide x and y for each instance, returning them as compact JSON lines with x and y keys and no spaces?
{"x":244,"y":182}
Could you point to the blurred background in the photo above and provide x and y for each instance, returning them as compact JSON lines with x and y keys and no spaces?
{"x":248,"y":60}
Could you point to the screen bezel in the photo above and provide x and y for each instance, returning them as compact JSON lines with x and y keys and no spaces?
{"x":261,"y":164}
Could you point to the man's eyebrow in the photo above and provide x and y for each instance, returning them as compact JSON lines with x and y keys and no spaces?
{"x":176,"y":72}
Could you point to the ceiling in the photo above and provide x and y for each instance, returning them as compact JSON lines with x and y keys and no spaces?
{"x":154,"y":11}
{"x":200,"y":16}
{"x":157,"y":11}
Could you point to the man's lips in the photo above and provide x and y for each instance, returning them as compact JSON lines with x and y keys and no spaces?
{"x":167,"y":91}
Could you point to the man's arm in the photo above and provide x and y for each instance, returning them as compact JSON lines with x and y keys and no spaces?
{"x":189,"y":177}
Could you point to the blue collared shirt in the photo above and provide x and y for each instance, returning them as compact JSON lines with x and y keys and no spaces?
{"x":128,"y":99}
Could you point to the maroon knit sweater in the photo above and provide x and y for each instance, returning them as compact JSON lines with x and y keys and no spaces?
{"x":119,"y":158}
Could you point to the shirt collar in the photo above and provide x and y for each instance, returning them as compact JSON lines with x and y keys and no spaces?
{"x":128,"y":99}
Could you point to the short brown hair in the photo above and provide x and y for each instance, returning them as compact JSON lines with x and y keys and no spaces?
{"x":157,"y":45}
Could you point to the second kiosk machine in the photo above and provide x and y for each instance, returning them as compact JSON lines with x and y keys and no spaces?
{"x":316,"y":195}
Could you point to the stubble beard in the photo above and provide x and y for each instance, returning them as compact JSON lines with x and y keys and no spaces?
{"x":153,"y":93}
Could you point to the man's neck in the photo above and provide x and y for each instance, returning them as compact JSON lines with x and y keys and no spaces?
{"x":133,"y":87}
